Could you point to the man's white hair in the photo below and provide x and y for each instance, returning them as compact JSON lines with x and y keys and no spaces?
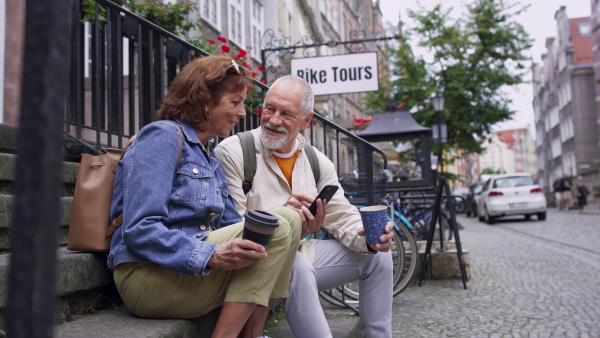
{"x":308,"y":99}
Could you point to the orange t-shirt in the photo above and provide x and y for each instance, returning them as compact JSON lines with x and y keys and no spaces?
{"x":286,"y":164}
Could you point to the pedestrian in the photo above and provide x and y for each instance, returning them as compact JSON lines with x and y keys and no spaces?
{"x":179,"y":252}
{"x":284,"y":177}
{"x":566,"y":192}
{"x":582,"y":194}
{"x":556,"y":186}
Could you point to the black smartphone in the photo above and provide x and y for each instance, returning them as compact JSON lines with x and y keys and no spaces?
{"x":326,"y":194}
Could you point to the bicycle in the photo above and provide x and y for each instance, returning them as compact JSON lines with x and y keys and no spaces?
{"x":419,"y":214}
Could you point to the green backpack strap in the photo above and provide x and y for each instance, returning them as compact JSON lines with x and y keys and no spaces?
{"x":249,"y":154}
{"x":311,"y":153}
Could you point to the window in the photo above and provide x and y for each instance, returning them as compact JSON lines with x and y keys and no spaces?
{"x":210,"y":11}
{"x":566,"y":129}
{"x":585,"y":28}
{"x":554,"y":119}
{"x":556,"y":148}
{"x":258,"y":28}
{"x":539,"y":138}
{"x":236,"y":22}
{"x":512,"y":182}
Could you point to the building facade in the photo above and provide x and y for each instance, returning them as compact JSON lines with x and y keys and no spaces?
{"x":497,"y":155}
{"x":523,"y":146}
{"x":565,"y":104}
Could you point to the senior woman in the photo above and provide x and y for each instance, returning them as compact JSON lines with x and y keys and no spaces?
{"x":179,"y":252}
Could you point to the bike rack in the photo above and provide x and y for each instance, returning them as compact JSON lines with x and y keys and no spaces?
{"x":443,"y":186}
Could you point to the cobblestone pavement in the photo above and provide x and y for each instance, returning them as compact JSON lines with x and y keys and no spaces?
{"x":529,"y":279}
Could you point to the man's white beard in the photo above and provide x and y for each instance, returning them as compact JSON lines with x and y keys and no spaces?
{"x":271,"y":141}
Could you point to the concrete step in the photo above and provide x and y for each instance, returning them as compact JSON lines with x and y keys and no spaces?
{"x":84,"y":283}
{"x":7,"y":175}
{"x":6,"y":215}
{"x":343,"y":323}
{"x":444,"y":264}
{"x":119,"y":322}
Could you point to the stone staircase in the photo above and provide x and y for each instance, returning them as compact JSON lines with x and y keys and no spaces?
{"x":88,"y":303}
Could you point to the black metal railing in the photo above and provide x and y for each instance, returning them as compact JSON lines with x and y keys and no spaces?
{"x":121,"y":67}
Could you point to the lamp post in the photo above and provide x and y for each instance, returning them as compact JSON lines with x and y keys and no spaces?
{"x":438,"y":106}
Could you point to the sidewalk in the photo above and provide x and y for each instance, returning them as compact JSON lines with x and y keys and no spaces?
{"x":522,"y":285}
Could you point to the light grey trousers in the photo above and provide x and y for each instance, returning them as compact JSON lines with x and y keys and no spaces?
{"x":336,"y":265}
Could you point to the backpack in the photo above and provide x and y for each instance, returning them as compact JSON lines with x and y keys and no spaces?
{"x":249,"y":152}
{"x":90,"y":226}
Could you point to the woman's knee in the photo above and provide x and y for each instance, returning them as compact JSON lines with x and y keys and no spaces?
{"x":290,"y":223}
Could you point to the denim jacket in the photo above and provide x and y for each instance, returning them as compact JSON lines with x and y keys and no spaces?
{"x":166,"y":215}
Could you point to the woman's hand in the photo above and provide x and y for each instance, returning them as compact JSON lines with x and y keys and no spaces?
{"x":236,"y":254}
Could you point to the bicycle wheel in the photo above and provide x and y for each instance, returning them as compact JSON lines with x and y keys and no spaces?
{"x":420,"y":219}
{"x":446,"y":228}
{"x":407,"y":259}
{"x":459,"y":204}
{"x":398,"y":260}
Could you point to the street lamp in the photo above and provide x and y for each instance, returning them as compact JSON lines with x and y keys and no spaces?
{"x":438,"y":106}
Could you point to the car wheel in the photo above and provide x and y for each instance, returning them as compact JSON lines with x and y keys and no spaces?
{"x":488,"y":218}
{"x":527,"y":217}
{"x":541,"y":216}
{"x":480,"y":218}
{"x":468,"y":214}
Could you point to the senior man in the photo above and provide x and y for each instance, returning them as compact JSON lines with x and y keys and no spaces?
{"x":284,"y":177}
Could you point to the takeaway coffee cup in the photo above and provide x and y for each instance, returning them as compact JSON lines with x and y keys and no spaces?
{"x":374,"y":220}
{"x":259,"y":226}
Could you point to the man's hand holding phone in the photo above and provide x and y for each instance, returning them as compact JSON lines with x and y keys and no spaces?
{"x":304,"y":203}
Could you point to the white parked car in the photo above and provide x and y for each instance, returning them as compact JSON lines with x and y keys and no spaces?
{"x":511,"y":194}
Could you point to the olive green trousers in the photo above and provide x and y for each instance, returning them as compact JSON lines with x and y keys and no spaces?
{"x":152,"y":291}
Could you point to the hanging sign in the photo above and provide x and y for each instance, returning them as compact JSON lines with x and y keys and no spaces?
{"x":339,"y":74}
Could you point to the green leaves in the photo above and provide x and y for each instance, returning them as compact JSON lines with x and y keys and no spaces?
{"x":471,"y":60}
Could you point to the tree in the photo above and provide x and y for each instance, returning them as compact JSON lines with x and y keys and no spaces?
{"x":473,"y":60}
{"x":492,"y":171}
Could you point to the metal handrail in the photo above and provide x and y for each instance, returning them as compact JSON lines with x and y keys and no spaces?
{"x":150,"y":47}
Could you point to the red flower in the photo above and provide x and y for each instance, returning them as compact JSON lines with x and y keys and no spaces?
{"x":242,"y":53}
{"x":261,"y":68}
{"x":212,"y":42}
{"x":222,"y":39}
{"x":236,"y":58}
{"x":225,"y":48}
{"x":263,"y":81}
{"x":314,"y":123}
{"x":246,"y":65}
{"x":254,"y":74}
{"x":259,"y":112}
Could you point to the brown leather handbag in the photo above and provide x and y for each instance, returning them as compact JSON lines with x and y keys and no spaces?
{"x":90,"y":211}
{"x":90,"y":227}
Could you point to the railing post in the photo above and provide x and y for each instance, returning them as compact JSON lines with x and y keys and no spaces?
{"x":365,"y":171}
{"x":32,"y":279}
